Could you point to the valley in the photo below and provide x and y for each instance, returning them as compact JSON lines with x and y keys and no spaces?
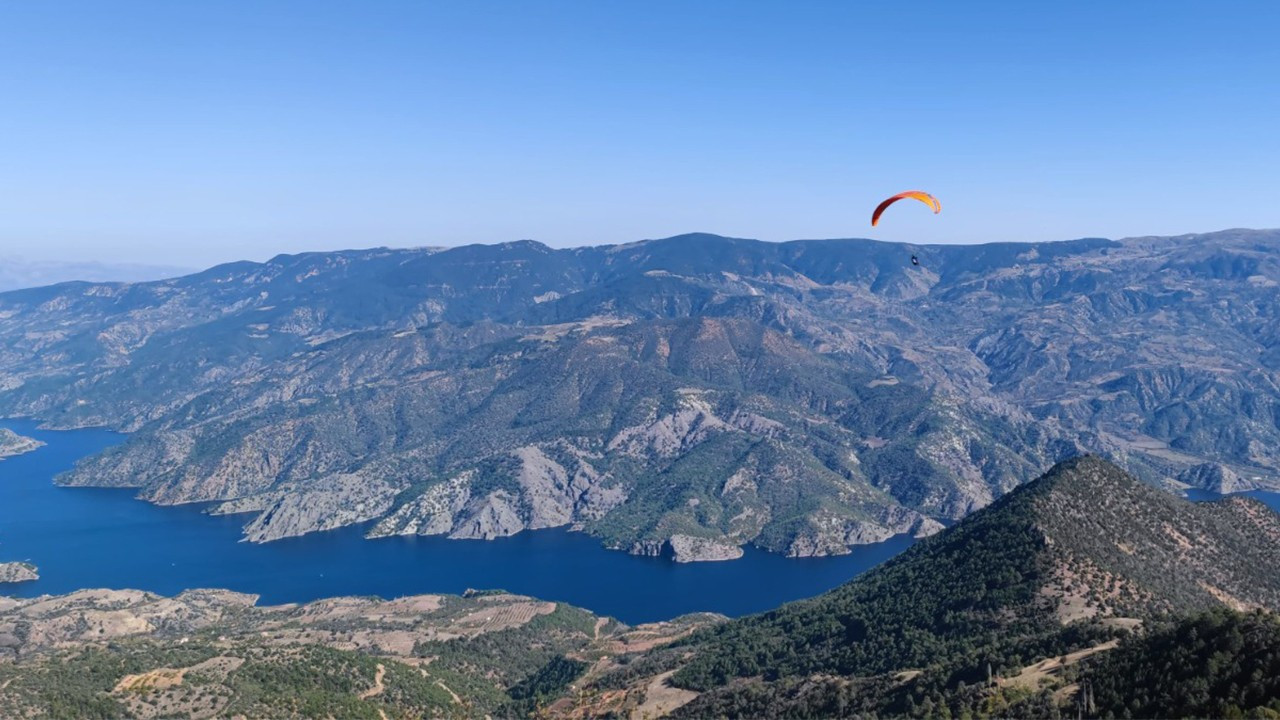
{"x":367,"y":360}
{"x":1040,"y":605}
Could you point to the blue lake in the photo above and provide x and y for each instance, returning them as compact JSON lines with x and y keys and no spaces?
{"x":1269,"y":498}
{"x":86,"y":538}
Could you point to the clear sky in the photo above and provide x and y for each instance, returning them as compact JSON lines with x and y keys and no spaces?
{"x":196,"y":132}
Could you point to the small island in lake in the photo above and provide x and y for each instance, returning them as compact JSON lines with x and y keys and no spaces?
{"x":12,"y":572}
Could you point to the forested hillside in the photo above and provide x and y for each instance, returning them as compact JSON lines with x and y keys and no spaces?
{"x":999,"y":614}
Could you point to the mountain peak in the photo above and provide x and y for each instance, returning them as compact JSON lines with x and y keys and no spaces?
{"x":1091,"y":478}
{"x":1065,"y":559}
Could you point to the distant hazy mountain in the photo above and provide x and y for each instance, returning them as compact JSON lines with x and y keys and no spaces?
{"x":687,"y":395}
{"x":17,"y":273}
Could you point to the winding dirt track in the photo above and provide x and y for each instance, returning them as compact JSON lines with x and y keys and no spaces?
{"x":378,"y":688}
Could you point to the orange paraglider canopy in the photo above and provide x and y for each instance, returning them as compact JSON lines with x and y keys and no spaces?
{"x":923,"y":197}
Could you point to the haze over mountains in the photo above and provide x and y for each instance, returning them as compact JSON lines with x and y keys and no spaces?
{"x":17,"y":273}
{"x":686,"y":395}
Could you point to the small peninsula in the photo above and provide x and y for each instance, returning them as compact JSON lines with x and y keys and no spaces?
{"x":11,"y":443}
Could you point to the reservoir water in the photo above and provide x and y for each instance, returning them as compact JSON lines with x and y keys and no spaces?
{"x":91,"y":538}
{"x":1269,"y":498}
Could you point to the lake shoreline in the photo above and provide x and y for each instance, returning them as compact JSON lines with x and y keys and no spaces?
{"x":87,"y":537}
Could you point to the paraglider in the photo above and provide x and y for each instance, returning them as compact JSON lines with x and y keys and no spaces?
{"x":923,"y":197}
{"x":920,"y":195}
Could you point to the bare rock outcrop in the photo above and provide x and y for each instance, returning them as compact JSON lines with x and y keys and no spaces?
{"x":689,"y":548}
{"x":333,"y":502}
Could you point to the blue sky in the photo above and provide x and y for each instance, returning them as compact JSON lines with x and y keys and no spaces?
{"x":197,"y":132}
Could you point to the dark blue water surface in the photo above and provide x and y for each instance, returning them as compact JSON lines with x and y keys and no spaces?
{"x":1266,"y":497}
{"x":90,"y":537}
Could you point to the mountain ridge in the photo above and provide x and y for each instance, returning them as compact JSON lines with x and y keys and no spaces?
{"x":801,"y":396}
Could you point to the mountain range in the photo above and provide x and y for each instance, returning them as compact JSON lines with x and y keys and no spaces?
{"x":1085,"y":593}
{"x":686,"y":396}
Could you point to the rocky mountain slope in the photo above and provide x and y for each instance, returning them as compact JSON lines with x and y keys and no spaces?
{"x":1047,"y":577}
{"x":688,"y":395}
{"x":11,"y":443}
